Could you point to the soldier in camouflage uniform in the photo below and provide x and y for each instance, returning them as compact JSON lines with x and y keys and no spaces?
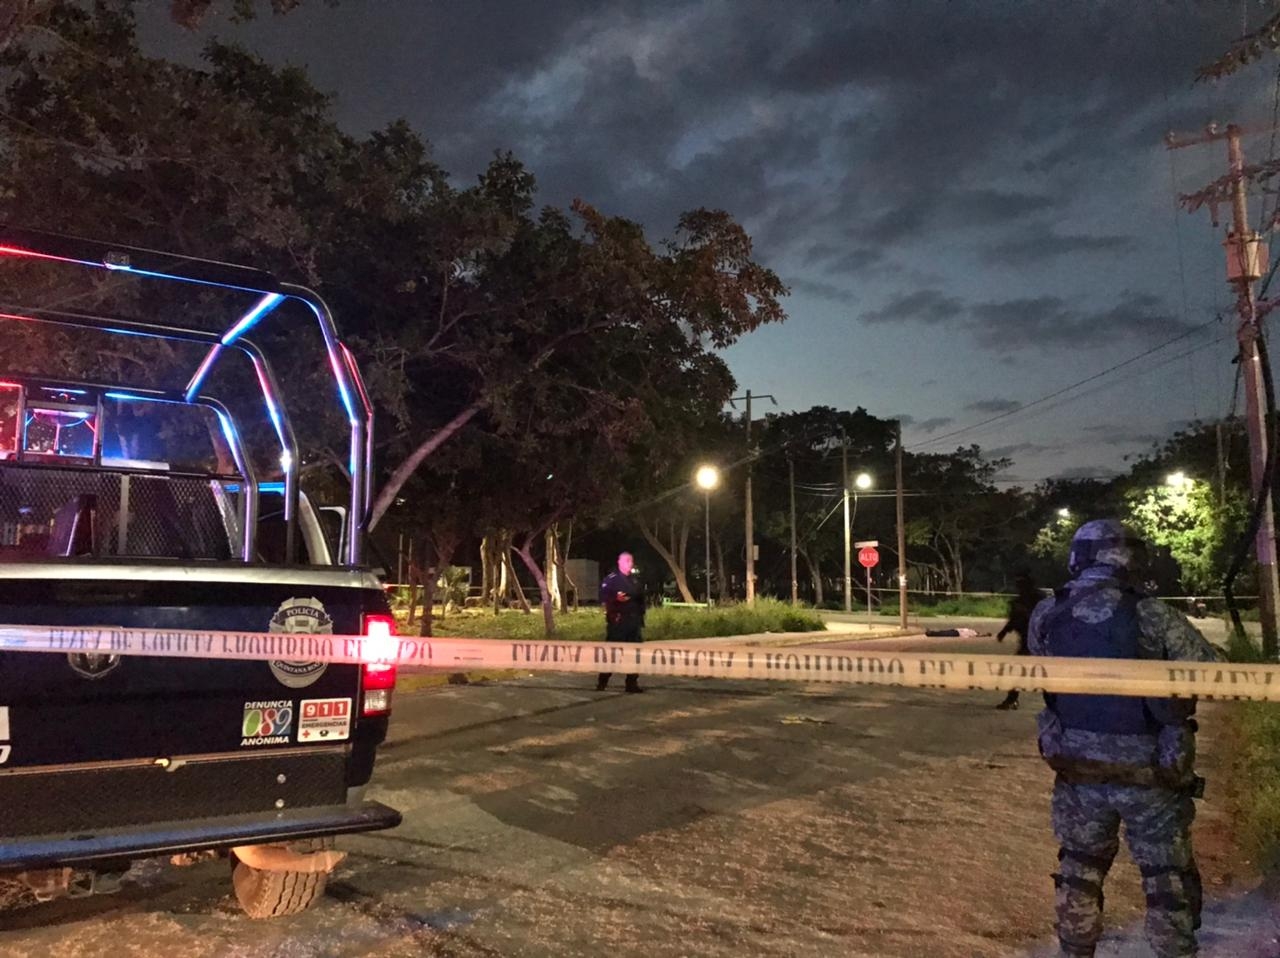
{"x":1119,"y":759}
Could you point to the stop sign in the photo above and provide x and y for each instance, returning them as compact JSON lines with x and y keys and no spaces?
{"x":868,"y":557}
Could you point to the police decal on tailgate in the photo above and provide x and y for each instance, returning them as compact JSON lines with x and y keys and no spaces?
{"x":324,"y":720}
{"x":266,"y":723}
{"x":306,"y":617}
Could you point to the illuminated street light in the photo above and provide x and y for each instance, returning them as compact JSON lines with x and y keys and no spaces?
{"x":1179,"y":480}
{"x":706,"y":479}
{"x":861,"y":483}
{"x":1064,"y":513}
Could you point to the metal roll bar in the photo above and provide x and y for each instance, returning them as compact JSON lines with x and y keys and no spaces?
{"x":153,"y":264}
{"x":361,"y":438}
{"x":267,"y":382}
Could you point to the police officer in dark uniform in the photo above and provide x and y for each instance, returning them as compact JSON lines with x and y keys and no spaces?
{"x":622,"y":596}
{"x":1118,"y":758}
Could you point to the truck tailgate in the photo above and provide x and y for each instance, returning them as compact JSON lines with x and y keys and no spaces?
{"x":128,"y":740}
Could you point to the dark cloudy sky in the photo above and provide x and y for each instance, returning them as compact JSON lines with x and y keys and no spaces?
{"x":970,"y":201}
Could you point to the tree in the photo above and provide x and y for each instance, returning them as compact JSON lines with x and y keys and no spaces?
{"x":962,"y":511}
{"x":1200,"y":521}
{"x":1246,"y":49}
{"x":1190,"y":523}
{"x":815,"y":440}
{"x":664,"y":506}
{"x":16,"y":16}
{"x":1059,"y":507}
{"x":473,"y":308}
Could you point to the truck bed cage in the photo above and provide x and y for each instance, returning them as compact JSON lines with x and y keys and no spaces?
{"x":149,"y":264}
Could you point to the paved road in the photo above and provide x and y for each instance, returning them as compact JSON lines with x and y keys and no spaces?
{"x":702,"y":818}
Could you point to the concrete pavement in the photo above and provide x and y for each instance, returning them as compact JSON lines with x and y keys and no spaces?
{"x":702,"y":818}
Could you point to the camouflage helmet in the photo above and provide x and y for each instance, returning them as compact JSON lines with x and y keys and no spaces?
{"x":1106,"y":542}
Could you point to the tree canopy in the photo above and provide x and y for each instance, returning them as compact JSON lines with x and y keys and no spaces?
{"x":563,"y":342}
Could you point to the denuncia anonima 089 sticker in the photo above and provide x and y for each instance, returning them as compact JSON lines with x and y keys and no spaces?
{"x":306,"y":617}
{"x":266,"y":723}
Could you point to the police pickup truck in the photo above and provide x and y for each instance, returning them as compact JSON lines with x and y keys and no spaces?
{"x":142,"y":507}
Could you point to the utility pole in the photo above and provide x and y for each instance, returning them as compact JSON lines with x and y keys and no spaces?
{"x":791,"y":476}
{"x":848,"y":565}
{"x":902,"y":529}
{"x":1246,"y":261}
{"x":750,"y":517}
{"x":706,"y":540}
{"x":1222,"y":466}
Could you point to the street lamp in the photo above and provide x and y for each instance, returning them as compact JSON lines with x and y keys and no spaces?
{"x":1179,"y":480}
{"x":1064,"y":513}
{"x":861,"y":482}
{"x":706,"y":479}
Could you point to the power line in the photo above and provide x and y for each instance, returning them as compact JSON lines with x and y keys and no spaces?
{"x":1143,"y":372}
{"x":1066,"y":389}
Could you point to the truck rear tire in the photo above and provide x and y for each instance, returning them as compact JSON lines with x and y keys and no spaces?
{"x":15,"y":894}
{"x":271,"y":894}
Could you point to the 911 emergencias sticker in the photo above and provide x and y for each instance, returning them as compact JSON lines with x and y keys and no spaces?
{"x":324,"y":720}
{"x":266,"y":723}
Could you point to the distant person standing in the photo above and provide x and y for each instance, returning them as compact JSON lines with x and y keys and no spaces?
{"x":622,"y":596}
{"x":1020,"y":608}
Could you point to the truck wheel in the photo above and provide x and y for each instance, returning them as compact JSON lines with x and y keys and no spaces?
{"x":15,"y":894}
{"x":268,"y":894}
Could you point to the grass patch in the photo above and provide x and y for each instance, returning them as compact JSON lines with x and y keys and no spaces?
{"x":993,"y":607}
{"x":1255,"y":782}
{"x":661,"y":624}
{"x":1254,"y":786}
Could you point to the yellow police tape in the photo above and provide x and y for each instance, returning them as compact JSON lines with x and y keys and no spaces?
{"x":925,"y":670}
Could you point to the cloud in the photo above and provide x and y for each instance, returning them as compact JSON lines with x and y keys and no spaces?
{"x":956,"y":209}
{"x":1035,"y":246}
{"x":1087,"y":472}
{"x":924,"y":425}
{"x":1036,"y":321}
{"x":1016,"y":449}
{"x":915,"y":154}
{"x":1119,"y":434}
{"x":857,"y":125}
{"x":994,"y":405}
{"x":927,"y":306}
{"x":820,"y":290}
{"x":843,"y":259}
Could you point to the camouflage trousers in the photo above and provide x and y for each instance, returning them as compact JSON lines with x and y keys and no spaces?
{"x":1157,"y":827}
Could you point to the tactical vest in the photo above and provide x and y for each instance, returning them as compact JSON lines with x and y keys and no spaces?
{"x":1115,"y":638}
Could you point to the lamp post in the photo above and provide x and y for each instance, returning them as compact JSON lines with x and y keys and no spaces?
{"x":706,"y":479}
{"x":861,"y":483}
{"x":1179,"y":480}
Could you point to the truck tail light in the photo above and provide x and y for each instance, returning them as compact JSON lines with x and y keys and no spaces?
{"x":379,"y":678}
